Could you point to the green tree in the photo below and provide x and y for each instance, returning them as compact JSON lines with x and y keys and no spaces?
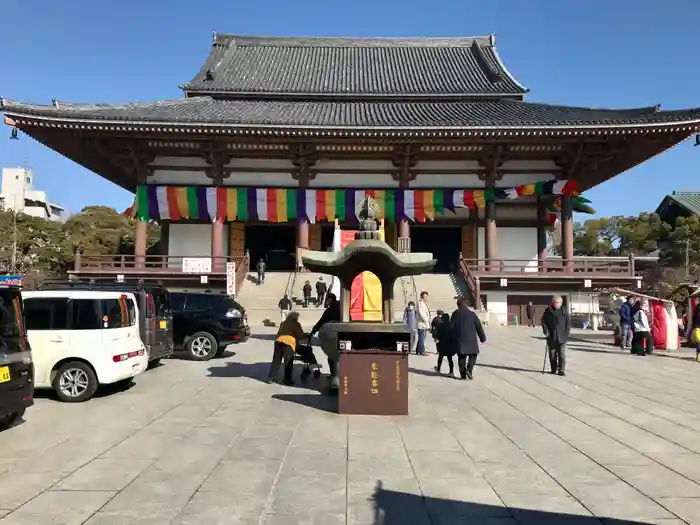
{"x":100,"y":230}
{"x":30,"y":244}
{"x":640,"y":235}
{"x":595,"y":237}
{"x":683,"y":245}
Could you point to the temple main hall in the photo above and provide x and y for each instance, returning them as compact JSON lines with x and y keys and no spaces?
{"x":276,"y":139}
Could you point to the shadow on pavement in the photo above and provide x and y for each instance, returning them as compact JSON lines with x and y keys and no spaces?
{"x":263,"y":337}
{"x":511,"y":368}
{"x":317,"y":400}
{"x":258,"y":371}
{"x":399,"y":508}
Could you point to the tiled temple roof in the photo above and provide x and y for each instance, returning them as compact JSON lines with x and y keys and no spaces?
{"x":360,"y":115}
{"x":355,"y":67}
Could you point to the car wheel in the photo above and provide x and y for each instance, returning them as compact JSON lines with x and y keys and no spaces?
{"x":75,"y":382}
{"x":8,"y":420}
{"x":154,"y":363}
{"x":202,"y":346}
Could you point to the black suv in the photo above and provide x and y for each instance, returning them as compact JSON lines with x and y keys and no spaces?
{"x":16,"y":368}
{"x":205,"y":323}
{"x":155,"y":316}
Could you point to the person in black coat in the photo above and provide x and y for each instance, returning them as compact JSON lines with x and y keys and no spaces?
{"x":445,"y":343}
{"x":467,"y":333}
{"x":530,"y":312}
{"x":556,"y":327}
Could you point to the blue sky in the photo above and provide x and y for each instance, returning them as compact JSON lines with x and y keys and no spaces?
{"x":599,"y":53}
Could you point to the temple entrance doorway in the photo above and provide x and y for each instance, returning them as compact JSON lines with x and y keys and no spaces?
{"x":276,"y":243}
{"x":444,"y":242}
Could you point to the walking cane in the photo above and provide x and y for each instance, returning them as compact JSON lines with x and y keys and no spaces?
{"x":546,"y":351}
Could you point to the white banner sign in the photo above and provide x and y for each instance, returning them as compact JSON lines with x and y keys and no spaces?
{"x":196,"y":265}
{"x":231,"y":278}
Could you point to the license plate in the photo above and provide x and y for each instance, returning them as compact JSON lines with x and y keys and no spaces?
{"x":4,"y":374}
{"x":163,"y":325}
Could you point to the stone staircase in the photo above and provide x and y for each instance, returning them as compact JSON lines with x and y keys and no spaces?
{"x":444,"y":289}
{"x":260,"y":302}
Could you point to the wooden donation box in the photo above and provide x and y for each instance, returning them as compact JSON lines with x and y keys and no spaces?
{"x":374,"y":381}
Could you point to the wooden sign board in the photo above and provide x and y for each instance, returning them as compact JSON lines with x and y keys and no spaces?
{"x":373,"y":383}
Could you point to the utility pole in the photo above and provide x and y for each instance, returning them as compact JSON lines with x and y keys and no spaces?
{"x":13,"y":267}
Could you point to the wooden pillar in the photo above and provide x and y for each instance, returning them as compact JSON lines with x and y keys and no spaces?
{"x":387,"y":303}
{"x":164,"y":242}
{"x":477,"y":292}
{"x":541,"y":233}
{"x":567,"y":232}
{"x":302,"y":238}
{"x":217,"y":246}
{"x":490,"y":237}
{"x":140,"y":243}
{"x":345,"y":302}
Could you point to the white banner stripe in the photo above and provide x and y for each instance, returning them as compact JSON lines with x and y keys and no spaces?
{"x":458,"y":198}
{"x":311,"y":205}
{"x":409,"y":204}
{"x":211,"y":203}
{"x":162,"y":198}
{"x":261,"y":204}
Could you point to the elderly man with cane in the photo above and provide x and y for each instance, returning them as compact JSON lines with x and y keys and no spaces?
{"x":556,"y":327}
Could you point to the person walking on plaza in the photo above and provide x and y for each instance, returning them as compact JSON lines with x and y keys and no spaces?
{"x":556,"y":327}
{"x":321,"y":290}
{"x":306,"y":293}
{"x":530,"y":312}
{"x":445,"y":344}
{"x":641,"y":330}
{"x":329,"y":342}
{"x":261,"y":270}
{"x":285,"y":306}
{"x":423,"y":322}
{"x":435,"y":323}
{"x":409,"y":317}
{"x":626,"y":324}
{"x":467,"y":333}
{"x":289,"y":335}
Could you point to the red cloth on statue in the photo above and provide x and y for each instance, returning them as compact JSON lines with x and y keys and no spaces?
{"x":658,"y":329}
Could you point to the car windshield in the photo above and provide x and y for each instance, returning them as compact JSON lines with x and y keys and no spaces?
{"x":12,"y":329}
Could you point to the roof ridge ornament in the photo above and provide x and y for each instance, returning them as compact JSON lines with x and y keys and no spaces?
{"x":55,"y":102}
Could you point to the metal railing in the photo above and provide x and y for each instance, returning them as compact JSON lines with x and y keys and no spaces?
{"x":587,"y":266}
{"x":242,"y":270}
{"x":472,"y":287}
{"x":154,"y":264}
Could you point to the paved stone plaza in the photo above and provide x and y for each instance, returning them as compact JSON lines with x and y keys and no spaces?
{"x":210,"y":443}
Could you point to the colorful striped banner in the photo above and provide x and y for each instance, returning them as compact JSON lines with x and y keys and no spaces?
{"x":175,"y":203}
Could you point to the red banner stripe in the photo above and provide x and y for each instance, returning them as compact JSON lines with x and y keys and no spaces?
{"x":320,"y":205}
{"x":272,"y":205}
{"x":173,"y":209}
{"x":469,"y":199}
{"x":221,"y":203}
{"x":419,"y":205}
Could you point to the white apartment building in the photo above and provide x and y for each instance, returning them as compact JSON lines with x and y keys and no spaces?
{"x":18,"y":194}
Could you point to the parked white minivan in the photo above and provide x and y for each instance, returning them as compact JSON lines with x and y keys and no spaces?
{"x":81,"y":339}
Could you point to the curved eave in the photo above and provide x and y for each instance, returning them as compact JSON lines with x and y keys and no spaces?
{"x":392,"y":263}
{"x":27,"y":121}
{"x":503,"y":67}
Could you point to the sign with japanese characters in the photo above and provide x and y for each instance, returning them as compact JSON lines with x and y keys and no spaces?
{"x":373,"y":382}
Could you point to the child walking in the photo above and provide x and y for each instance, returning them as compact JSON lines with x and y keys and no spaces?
{"x":445,"y":344}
